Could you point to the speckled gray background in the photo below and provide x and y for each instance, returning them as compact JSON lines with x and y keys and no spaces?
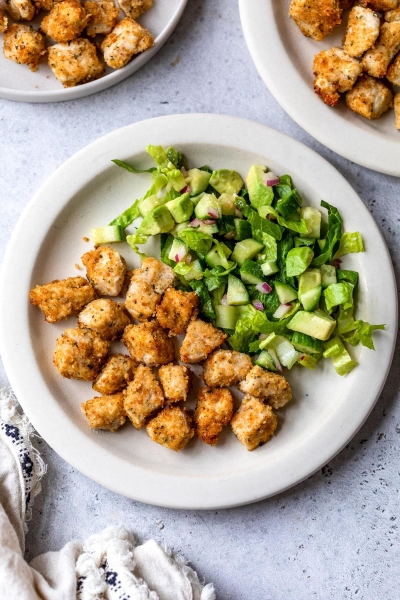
{"x":336,"y":534}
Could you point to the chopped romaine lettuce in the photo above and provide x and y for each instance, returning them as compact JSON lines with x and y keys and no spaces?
{"x":333,"y":238}
{"x":350,"y":242}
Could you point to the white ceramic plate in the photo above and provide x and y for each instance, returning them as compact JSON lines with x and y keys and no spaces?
{"x":18,"y":83}
{"x":88,"y":191}
{"x":284,"y":58}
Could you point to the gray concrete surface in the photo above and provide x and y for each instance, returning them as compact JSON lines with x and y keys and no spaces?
{"x":335,"y":536}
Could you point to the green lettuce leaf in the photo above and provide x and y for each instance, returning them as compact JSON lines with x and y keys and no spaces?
{"x":299,"y":226}
{"x":260,"y":226}
{"x":297,"y":260}
{"x":338,"y":294}
{"x":333,"y":238}
{"x":363,"y":333}
{"x":205,"y":299}
{"x":125,"y":165}
{"x":341,"y":359}
{"x":196,"y":240}
{"x":137,"y":238}
{"x":166,"y":243}
{"x":349,"y":243}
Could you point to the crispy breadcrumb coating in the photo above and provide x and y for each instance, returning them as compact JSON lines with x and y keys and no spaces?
{"x":24,"y":45}
{"x":393,"y":72}
{"x":126,"y":39}
{"x":105,"y":412}
{"x":226,"y":367}
{"x":105,"y":317}
{"x":105,"y":267}
{"x":176,"y":310}
{"x":370,"y":98}
{"x":362,"y":31}
{"x":134,"y":8}
{"x":266,"y":385}
{"x":171,"y":428}
{"x":214,"y":410}
{"x":335,"y":72}
{"x":142,"y":396}
{"x":380,"y":5}
{"x":175,"y":380}
{"x":115,"y":375}
{"x":65,"y":21}
{"x":316,"y":18}
{"x":396,"y":104}
{"x":60,"y":299}
{"x":376,"y":61}
{"x":103,"y":16}
{"x":200,"y":340}
{"x":392,"y":15}
{"x":79,"y":354}
{"x":254,"y":422}
{"x":146,"y":287}
{"x":74,"y":63}
{"x":149,"y":344}
{"x":20,"y":10}
{"x":3,"y":21}
{"x":44,"y":4}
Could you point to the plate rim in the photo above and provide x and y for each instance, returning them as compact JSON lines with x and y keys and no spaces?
{"x":383,"y":154}
{"x":103,"y":83}
{"x":228,"y":490}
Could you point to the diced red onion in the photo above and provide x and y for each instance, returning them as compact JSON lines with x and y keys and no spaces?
{"x":302,"y":357}
{"x":183,"y":171}
{"x":224,"y":300}
{"x":207,"y":222}
{"x":271,"y":179}
{"x":212,"y":212}
{"x":281,"y":311}
{"x":180,"y":254}
{"x":195,"y":223}
{"x":186,"y":189}
{"x":258,"y":305}
{"x":238,"y":214}
{"x":263,"y":288}
{"x":336,"y":263}
{"x":274,"y":357}
{"x":271,"y":217}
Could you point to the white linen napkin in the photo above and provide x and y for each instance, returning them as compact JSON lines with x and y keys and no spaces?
{"x":106,"y":566}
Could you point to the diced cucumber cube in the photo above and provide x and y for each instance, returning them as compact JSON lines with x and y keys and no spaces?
{"x":328,"y":275}
{"x":243,"y":229}
{"x":264,"y":360}
{"x":158,"y":221}
{"x":316,"y":324}
{"x":178,"y":249}
{"x":312,"y":217}
{"x":196,"y":199}
{"x":308,"y":280}
{"x":289,"y":204}
{"x":246,"y":249}
{"x":237,"y":294}
{"x":226,"y":181}
{"x":181,"y":208}
{"x":198,"y":181}
{"x":189,"y":272}
{"x":207,"y":207}
{"x":209,"y":229}
{"x":213,"y":258}
{"x":285,"y":292}
{"x":306,"y":343}
{"x":146,"y":205}
{"x":227,"y":316}
{"x":107,"y":235}
{"x":269,"y":268}
{"x":310,"y":362}
{"x":179,"y":227}
{"x":227,"y":204}
{"x":251,"y":273}
{"x":310,"y":300}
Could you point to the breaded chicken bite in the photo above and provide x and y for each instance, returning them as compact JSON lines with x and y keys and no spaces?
{"x":105,"y":412}
{"x":376,"y":61}
{"x":148,"y":343}
{"x":346,"y":4}
{"x":115,"y":375}
{"x":392,"y":15}
{"x":20,"y":10}
{"x":200,"y":340}
{"x":226,"y":367}
{"x":44,"y":4}
{"x":380,"y":5}
{"x":103,"y":16}
{"x":271,"y":387}
{"x":146,"y":286}
{"x":75,"y":63}
{"x":335,"y":72}
{"x":316,"y":18}
{"x":60,"y":299}
{"x":393,"y":72}
{"x":65,"y":21}
{"x":171,"y":428}
{"x":105,"y":317}
{"x":214,"y":410}
{"x":24,"y":45}
{"x":176,"y":310}
{"x":126,"y":39}
{"x":142,"y":396}
{"x":105,"y":267}
{"x":3,"y":21}
{"x":362,"y":31}
{"x":396,"y":104}
{"x":254,"y":422}
{"x":370,"y":98}
{"x":134,"y":8}
{"x":79,"y":354}
{"x":175,"y":381}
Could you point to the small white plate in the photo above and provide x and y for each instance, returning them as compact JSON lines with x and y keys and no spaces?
{"x":284,"y":58}
{"x":18,"y":83}
{"x":88,"y":191}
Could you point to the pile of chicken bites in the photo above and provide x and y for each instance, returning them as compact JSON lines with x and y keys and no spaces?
{"x":74,"y":59}
{"x":369,"y":60}
{"x":154,"y":313}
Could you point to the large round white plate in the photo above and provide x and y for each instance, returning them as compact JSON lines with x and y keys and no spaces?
{"x":284,"y":58}
{"x":18,"y":83}
{"x":88,"y":191}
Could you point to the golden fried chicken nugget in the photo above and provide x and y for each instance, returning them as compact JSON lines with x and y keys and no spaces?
{"x":266,"y":385}
{"x":126,"y":39}
{"x":60,"y":299}
{"x":105,"y":412}
{"x":370,"y":98}
{"x":392,"y":15}
{"x":214,"y":410}
{"x":103,"y":16}
{"x":393,"y":72}
{"x":176,"y":310}
{"x":44,"y":4}
{"x":175,"y":380}
{"x":396,"y":104}
{"x":149,"y":344}
{"x":171,"y":428}
{"x":134,"y":8}
{"x":115,"y":375}
{"x":226,"y":367}
{"x":335,"y":72}
{"x":79,"y":354}
{"x":316,"y":18}
{"x":105,"y":317}
{"x":24,"y":45}
{"x":376,"y":61}
{"x":254,"y":422}
{"x":74,"y":63}
{"x":20,"y":10}
{"x":142,"y":396}
{"x":105,"y":268}
{"x":380,"y":5}
{"x":362,"y":31}
{"x":146,"y":287}
{"x":3,"y":21}
{"x":65,"y":21}
{"x":200,"y":340}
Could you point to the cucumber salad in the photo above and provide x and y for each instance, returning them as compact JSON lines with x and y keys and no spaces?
{"x":266,"y":267}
